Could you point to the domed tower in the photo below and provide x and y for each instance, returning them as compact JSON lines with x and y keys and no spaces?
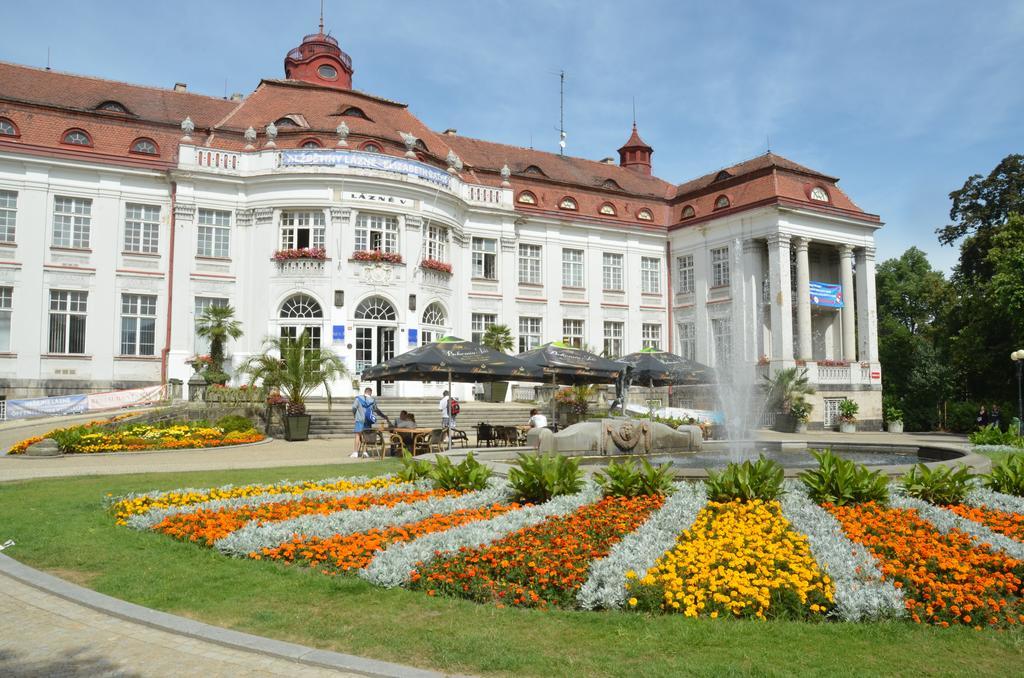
{"x":635,"y":154}
{"x":320,"y":61}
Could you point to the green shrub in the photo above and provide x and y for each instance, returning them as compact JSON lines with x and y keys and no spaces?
{"x":892,"y":413}
{"x":539,"y":478}
{"x":467,"y":476}
{"x":991,"y":435}
{"x":840,"y":481}
{"x":961,"y":417}
{"x":848,"y":410}
{"x":1007,"y":476}
{"x":625,"y":479}
{"x":761,"y":479}
{"x":801,"y":410}
{"x":234,"y":422}
{"x":414,"y":469}
{"x":941,"y":485}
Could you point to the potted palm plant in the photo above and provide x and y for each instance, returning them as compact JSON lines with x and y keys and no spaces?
{"x":848,"y":416}
{"x":787,"y":388}
{"x":296,"y":369}
{"x":217,"y":324}
{"x":499,"y":338}
{"x":894,"y":419}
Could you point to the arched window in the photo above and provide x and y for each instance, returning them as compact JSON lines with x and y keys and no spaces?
{"x":527,"y":198}
{"x":327,"y":72}
{"x":375,"y":308}
{"x":420,"y":146}
{"x":612,"y":184}
{"x":144,"y":146}
{"x":8,"y":128}
{"x":608,"y":209}
{"x":301,"y":306}
{"x":371,"y":147}
{"x":689,"y":212}
{"x":722,"y":176}
{"x":112,"y":106}
{"x":303,"y":314}
{"x":77,"y":137}
{"x":355,"y":112}
{"x":311,"y":143}
{"x":645,"y":215}
{"x":721,"y":202}
{"x":820,"y":194}
{"x":289,"y":121}
{"x":567,"y":203}
{"x":434,"y":315}
{"x":533,"y":169}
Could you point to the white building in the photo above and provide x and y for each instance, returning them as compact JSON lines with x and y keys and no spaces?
{"x":126,"y":210}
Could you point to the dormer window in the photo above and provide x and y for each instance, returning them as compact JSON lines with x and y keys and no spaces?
{"x":645,"y":215}
{"x":327,"y":72}
{"x":144,"y":146}
{"x":355,"y":112}
{"x":533,"y":169}
{"x":112,"y":106}
{"x":291,"y":120}
{"x":526,"y":198}
{"x":420,"y":146}
{"x":371,"y":147}
{"x":612,"y":184}
{"x":689,"y":212}
{"x":8,"y":128}
{"x":820,"y":194}
{"x":722,"y":176}
{"x":721,"y":202}
{"x":311,"y":143}
{"x":567,"y":203}
{"x":607,"y":209}
{"x":77,"y":137}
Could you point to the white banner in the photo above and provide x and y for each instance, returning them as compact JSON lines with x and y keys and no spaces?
{"x":118,"y":399}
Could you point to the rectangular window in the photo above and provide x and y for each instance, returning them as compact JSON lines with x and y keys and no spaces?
{"x":613,"y":333}
{"x":67,"y":321}
{"x":572,"y":268}
{"x":485,"y":253}
{"x":300,"y":230}
{"x":720,"y":267}
{"x":377,"y":232}
{"x":142,"y":229}
{"x":481,"y":321}
{"x":138,"y":324}
{"x":293,"y":332}
{"x":688,"y":341}
{"x":72,"y":218}
{"x":611,"y":272}
{"x":529,"y":333}
{"x":214,"y":233}
{"x":437,"y":243}
{"x":684,"y":266}
{"x":721,"y":333}
{"x":202,"y":344}
{"x":530,"y":264}
{"x":8,"y":215}
{"x":651,"y":336}
{"x":572,"y":332}
{"x":6,"y":304}
{"x":650,"y":275}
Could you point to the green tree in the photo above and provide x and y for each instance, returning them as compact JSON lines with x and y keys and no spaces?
{"x":218,"y":325}
{"x":1006,"y":286}
{"x":296,"y":368}
{"x":498,"y":337}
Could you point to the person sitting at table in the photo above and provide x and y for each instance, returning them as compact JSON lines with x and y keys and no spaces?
{"x":405,"y":420}
{"x":537,"y":420}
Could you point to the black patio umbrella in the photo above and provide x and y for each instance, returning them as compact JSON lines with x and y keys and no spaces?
{"x":661,"y":368}
{"x":564,"y":364}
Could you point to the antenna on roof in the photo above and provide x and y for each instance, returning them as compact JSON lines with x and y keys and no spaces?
{"x":321,"y":16}
{"x":561,"y":113}
{"x":767,"y":143}
{"x":47,"y":58}
{"x":634,"y":111}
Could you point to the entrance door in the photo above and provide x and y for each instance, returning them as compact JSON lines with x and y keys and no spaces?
{"x":386,"y":351}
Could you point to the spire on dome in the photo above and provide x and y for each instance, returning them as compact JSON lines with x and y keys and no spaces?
{"x":635,"y":154}
{"x":319,"y":60}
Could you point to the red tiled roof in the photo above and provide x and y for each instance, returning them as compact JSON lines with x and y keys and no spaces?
{"x":634,"y":141}
{"x":761,"y":162}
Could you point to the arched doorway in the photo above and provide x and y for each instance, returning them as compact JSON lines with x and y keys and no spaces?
{"x":301,"y":313}
{"x":376,"y":322}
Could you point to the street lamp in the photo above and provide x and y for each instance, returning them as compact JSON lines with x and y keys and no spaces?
{"x":1018,"y":358}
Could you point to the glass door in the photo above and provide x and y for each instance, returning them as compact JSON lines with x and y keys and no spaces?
{"x":385,"y":350}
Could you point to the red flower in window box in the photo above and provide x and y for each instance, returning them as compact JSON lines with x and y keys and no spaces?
{"x":833,"y":363}
{"x":436,"y":265}
{"x":377,"y":255}
{"x":318,"y":253}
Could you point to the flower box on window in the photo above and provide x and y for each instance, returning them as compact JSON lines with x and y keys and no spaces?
{"x":317,"y":253}
{"x":435,"y":265}
{"x":833,"y":363}
{"x":377,"y":255}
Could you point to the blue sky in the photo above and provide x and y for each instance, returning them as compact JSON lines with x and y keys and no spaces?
{"x":902,"y":100}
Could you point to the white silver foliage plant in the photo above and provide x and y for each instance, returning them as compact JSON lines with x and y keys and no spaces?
{"x":395,"y":564}
{"x":945,"y":520}
{"x":255,"y":537}
{"x":605,"y":587}
{"x":860,"y":592}
{"x":981,"y":496}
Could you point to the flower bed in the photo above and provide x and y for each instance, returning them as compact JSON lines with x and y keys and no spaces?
{"x":946,"y":577}
{"x":342,"y":553}
{"x":740,"y":559}
{"x":94,"y":437}
{"x":1003,"y":522}
{"x":541,"y":565}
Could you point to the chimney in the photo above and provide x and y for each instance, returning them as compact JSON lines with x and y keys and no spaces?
{"x":450,"y":132}
{"x":236,"y":96}
{"x":180,"y":87}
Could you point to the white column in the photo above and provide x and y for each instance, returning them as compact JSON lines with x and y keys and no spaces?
{"x":803,"y":300}
{"x":752,"y":347}
{"x":849,"y":315}
{"x":781,"y":301}
{"x":867,"y":315}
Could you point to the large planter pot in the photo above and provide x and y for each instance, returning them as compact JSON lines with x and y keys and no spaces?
{"x":895,"y":427}
{"x":785,"y":423}
{"x":801,"y":427}
{"x":847,"y":427}
{"x":296,"y":427}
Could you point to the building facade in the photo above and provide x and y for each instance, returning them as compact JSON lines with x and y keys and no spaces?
{"x":309,"y":206}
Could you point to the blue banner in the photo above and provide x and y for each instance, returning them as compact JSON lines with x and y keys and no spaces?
{"x":826,"y":294}
{"x":338,"y":334}
{"x":414,"y":336}
{"x":360,"y":160}
{"x":34,"y":407}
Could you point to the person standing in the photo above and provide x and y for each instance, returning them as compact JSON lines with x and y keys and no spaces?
{"x":364,"y":409}
{"x":982,"y":417}
{"x":995,"y":417}
{"x":445,"y":407}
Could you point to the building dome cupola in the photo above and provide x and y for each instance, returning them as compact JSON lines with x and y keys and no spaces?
{"x":319,"y":60}
{"x":635,"y":154}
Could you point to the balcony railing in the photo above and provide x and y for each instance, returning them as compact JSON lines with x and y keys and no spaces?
{"x":830,"y":374}
{"x":303,"y":267}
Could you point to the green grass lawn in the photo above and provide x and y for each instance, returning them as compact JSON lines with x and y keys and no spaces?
{"x":60,"y":526}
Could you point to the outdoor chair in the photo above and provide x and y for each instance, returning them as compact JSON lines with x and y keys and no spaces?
{"x":459,"y":436}
{"x":372,"y":441}
{"x":508,"y":435}
{"x":484,"y":434}
{"x":435,"y":441}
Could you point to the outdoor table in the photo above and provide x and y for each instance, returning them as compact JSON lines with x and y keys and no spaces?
{"x":414,"y":434}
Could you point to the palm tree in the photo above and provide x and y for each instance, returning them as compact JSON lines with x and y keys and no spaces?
{"x":296,"y":368}
{"x":218,"y":324}
{"x":787,"y":388}
{"x":498,"y":337}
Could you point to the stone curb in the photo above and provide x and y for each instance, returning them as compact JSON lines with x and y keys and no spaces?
{"x":137,"y":453}
{"x":236,"y":640}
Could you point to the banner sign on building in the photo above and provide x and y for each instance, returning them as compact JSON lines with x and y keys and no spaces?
{"x":338,"y":334}
{"x":826,"y":294}
{"x":370,"y":161}
{"x":117,"y":399}
{"x":37,"y":407}
{"x":414,"y":336}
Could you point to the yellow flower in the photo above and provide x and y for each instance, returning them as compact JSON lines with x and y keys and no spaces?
{"x":632,"y":602}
